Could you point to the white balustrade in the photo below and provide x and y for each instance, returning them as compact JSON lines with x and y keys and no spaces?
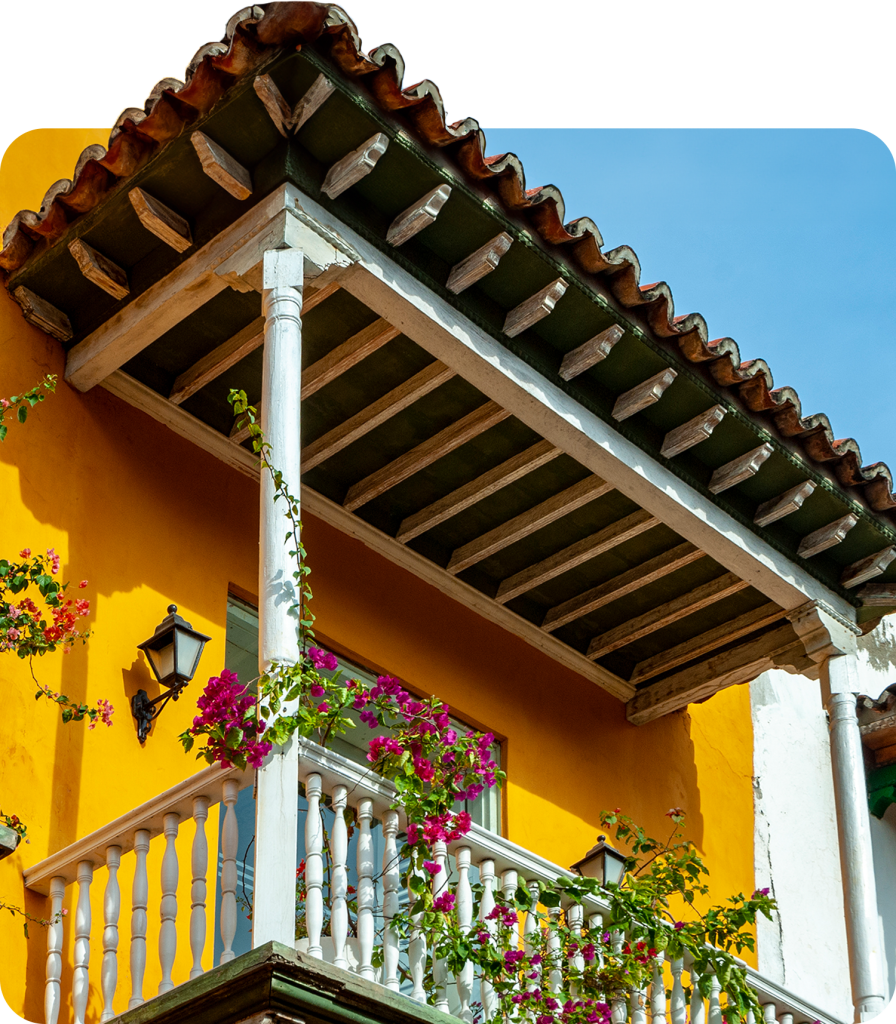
{"x":350,"y":944}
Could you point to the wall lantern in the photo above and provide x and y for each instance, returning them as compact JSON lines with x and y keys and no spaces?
{"x":602,"y":862}
{"x":173,"y":653}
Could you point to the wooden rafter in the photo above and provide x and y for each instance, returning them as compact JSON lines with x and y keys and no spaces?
{"x":346,"y":355}
{"x":219,"y":360}
{"x":221,"y":167}
{"x":692,"y":433}
{"x":378,"y":412}
{"x":161,"y":220}
{"x":784,"y":504}
{"x":585,"y":491}
{"x":739,"y":469}
{"x":514,"y":468}
{"x":483,"y":261}
{"x":576,"y":554}
{"x":712,"y":639}
{"x":867,"y":568}
{"x":99,"y":269}
{"x":535,"y":308}
{"x":590,"y":353}
{"x":620,"y":586}
{"x":645,"y":394}
{"x":354,"y":166}
{"x":418,"y":215}
{"x":666,"y":614}
{"x":425,"y":454}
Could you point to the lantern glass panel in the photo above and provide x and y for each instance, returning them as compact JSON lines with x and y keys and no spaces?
{"x":162,"y":659}
{"x":189,"y":648}
{"x":613,"y":864}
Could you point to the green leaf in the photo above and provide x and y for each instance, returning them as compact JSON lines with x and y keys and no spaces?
{"x":3,"y":431}
{"x":22,"y":413}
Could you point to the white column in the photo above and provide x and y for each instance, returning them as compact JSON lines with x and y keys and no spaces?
{"x":53,"y":993}
{"x":366,"y":891}
{"x":139,"y":903}
{"x":80,"y":976}
{"x":854,"y":831}
{"x":168,"y":927}
{"x":391,"y":876}
{"x":111,"y":913}
{"x":198,"y":891}
{"x":230,"y":838}
{"x":277,"y":785}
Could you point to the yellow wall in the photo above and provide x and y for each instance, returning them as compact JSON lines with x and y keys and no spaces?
{"x":147,"y":519}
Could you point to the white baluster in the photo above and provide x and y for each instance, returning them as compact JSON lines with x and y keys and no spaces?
{"x":698,"y":1006}
{"x":440,"y":885}
{"x":314,"y":866}
{"x":715,"y":1008}
{"x":230,"y":840}
{"x":199,"y":864}
{"x":416,"y":953}
{"x":532,"y":936}
{"x":678,"y":1006}
{"x":486,"y":906}
{"x":786,"y":1018}
{"x":638,"y":1006}
{"x":618,"y":1003}
{"x":168,"y":928}
{"x":658,"y":994}
{"x":139,"y":902}
{"x":465,"y":921}
{"x":751,"y":1017}
{"x":555,"y":972}
{"x":339,"y":878}
{"x":80,"y":977}
{"x":52,"y":991}
{"x":575,"y":915}
{"x":391,"y":875}
{"x":366,"y":890}
{"x":596,"y":928}
{"x":769,"y":1013}
{"x":509,"y":883}
{"x":111,"y":912}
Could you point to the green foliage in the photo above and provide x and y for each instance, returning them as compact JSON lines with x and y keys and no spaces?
{"x":22,"y":403}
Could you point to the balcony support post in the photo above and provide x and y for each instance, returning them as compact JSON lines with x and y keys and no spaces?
{"x":276,"y":813}
{"x":839,"y":684}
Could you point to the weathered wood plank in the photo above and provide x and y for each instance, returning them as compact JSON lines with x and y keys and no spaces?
{"x":100,"y":270}
{"x":697,"y":682}
{"x":697,"y":646}
{"x":590,"y":353}
{"x":412,"y":390}
{"x":476,"y":490}
{"x":355,"y":165}
{"x":289,"y":120}
{"x":320,"y":90}
{"x":535,"y":308}
{"x":432,"y":449}
{"x":483,"y":261}
{"x":643,"y":395}
{"x":878,"y":595}
{"x":867,"y":568}
{"x":582,"y":493}
{"x":221,"y":167}
{"x":161,"y":220}
{"x":418,"y":215}
{"x":216,"y":362}
{"x":666,"y":614}
{"x":739,"y":469}
{"x":692,"y":433}
{"x":790,"y":501}
{"x":346,"y":355}
{"x":576,"y":554}
{"x":41,"y":314}
{"x":827,"y":537}
{"x":620,"y":586}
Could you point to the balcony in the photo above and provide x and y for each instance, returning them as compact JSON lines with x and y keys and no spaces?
{"x":344,"y":934}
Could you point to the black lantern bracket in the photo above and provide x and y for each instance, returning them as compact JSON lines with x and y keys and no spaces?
{"x":146,"y":710}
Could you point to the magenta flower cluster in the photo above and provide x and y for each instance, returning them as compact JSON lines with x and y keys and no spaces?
{"x":228,"y":720}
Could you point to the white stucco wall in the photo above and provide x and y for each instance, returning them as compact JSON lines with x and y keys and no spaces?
{"x":796,"y":846}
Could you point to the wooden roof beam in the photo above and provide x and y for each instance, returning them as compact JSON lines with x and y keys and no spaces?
{"x":643,"y":395}
{"x":827,"y":537}
{"x":418,"y":216}
{"x":867,"y":568}
{"x":425,"y":454}
{"x":535,"y":308}
{"x":478,"y":264}
{"x":784,"y":505}
{"x":161,"y":220}
{"x":692,"y":433}
{"x":620,"y":586}
{"x":218,"y":361}
{"x":739,"y":469}
{"x":590,"y":353}
{"x":221,"y":167}
{"x":666,"y":614}
{"x":354,"y":166}
{"x":490,"y":482}
{"x":359,"y":346}
{"x":288,"y":120}
{"x":100,"y":270}
{"x":555,"y":507}
{"x":576,"y":554}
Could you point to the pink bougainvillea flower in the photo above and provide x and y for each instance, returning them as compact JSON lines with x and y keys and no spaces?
{"x":431,"y":867}
{"x":25,"y":553}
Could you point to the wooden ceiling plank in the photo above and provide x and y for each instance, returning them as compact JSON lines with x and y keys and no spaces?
{"x":666,"y":614}
{"x":418,"y":215}
{"x":827,"y":537}
{"x":867,"y":568}
{"x":43,"y":315}
{"x":643,"y":395}
{"x":161,"y":220}
{"x":576,"y":554}
{"x":216,"y":362}
{"x":591,"y":353}
{"x":877,"y":595}
{"x":535,"y":308}
{"x":347,"y":355}
{"x":790,"y":501}
{"x":354,"y":166}
{"x":478,"y":264}
{"x":514,"y":468}
{"x":100,"y":270}
{"x":697,"y":682}
{"x":620,"y":586}
{"x":692,"y":433}
{"x":739,"y":469}
{"x":555,"y":507}
{"x":355,"y":427}
{"x":221,"y":167}
{"x":425,"y":454}
{"x":697,"y":646}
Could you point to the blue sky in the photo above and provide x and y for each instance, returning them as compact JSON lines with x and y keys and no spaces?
{"x":782,"y":239}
